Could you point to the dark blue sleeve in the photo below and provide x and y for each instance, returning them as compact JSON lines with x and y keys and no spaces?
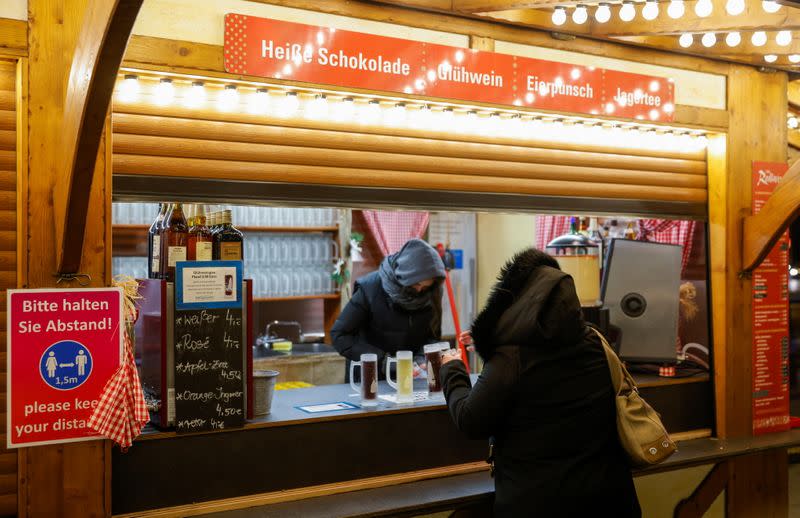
{"x":346,"y":332}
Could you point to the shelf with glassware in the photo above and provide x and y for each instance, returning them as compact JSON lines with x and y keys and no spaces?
{"x":291,"y":252}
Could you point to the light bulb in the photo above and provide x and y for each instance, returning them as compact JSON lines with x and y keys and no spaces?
{"x":603,"y":13}
{"x":421,"y":118}
{"x":258,"y":103}
{"x":793,"y":123}
{"x":686,"y":40}
{"x":650,"y":10}
{"x":196,"y":95}
{"x":228,"y":98}
{"x":783,"y":38}
{"x":709,"y":39}
{"x":794,"y":58}
{"x":396,"y":116}
{"x":289,"y":105}
{"x":759,"y":38}
{"x":676,"y":9}
{"x":344,"y":110}
{"x":770,"y":58}
{"x":447,"y":119}
{"x":703,"y":8}
{"x":734,"y":7}
{"x":559,"y":16}
{"x":471,"y":121}
{"x":628,"y":12}
{"x":770,"y":6}
{"x":129,"y":89}
{"x":371,"y":112}
{"x":580,"y":15}
{"x":317,"y":108}
{"x":165,"y":91}
{"x":733,"y":39}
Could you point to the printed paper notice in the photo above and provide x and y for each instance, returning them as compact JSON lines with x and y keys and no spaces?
{"x":209,"y":284}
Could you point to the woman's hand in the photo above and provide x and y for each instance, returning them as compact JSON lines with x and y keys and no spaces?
{"x":465,"y":339}
{"x":451,"y":355}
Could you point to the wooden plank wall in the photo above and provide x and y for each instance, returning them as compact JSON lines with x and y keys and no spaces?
{"x":8,"y":265}
{"x":206,"y":143}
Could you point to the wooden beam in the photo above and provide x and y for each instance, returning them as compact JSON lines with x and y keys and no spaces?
{"x":758,"y":485}
{"x":794,"y":94}
{"x":701,"y":499}
{"x":106,"y":29}
{"x":757,"y":131}
{"x":763,"y":230}
{"x":74,"y":476}
{"x":484,"y":6}
{"x":754,"y":18}
{"x":13,"y":37}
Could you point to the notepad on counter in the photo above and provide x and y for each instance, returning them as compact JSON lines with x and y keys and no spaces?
{"x":392,"y":398}
{"x":327,"y":407}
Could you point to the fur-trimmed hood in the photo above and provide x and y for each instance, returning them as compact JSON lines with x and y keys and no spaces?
{"x":532,"y":304}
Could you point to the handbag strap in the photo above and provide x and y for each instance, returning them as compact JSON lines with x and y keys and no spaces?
{"x":621,"y":379}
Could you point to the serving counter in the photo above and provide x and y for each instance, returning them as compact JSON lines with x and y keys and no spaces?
{"x":276,"y":454}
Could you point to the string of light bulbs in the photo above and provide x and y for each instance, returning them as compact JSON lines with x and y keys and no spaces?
{"x":651,"y":10}
{"x":280,"y":102}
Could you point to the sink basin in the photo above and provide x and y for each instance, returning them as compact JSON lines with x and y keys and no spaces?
{"x":297,"y":349}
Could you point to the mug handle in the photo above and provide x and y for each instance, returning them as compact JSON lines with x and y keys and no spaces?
{"x":389,"y":361}
{"x":352,"y":371}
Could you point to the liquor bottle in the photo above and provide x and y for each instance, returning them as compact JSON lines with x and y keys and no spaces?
{"x":597,"y":238}
{"x":584,"y":227}
{"x":228,"y":241}
{"x":173,"y":241}
{"x":201,"y":242}
{"x":573,"y":225}
{"x":154,"y":244}
{"x":630,"y":231}
{"x":212,"y":223}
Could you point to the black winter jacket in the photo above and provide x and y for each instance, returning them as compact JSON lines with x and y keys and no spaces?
{"x":371,"y":323}
{"x":545,"y":397}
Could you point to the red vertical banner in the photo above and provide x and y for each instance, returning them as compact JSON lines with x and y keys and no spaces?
{"x":770,"y":317}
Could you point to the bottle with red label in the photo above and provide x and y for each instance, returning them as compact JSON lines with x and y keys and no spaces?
{"x":174,"y":241}
{"x":228,"y":240}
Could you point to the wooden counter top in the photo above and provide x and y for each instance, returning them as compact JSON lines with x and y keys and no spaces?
{"x":284,"y":410}
{"x":429,"y":496}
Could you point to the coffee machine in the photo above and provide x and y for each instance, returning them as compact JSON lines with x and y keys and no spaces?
{"x":641,"y":289}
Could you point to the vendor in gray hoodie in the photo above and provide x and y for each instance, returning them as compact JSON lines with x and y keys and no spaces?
{"x":398,"y":307}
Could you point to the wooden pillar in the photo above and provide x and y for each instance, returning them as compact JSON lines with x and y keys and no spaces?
{"x":757,"y":108}
{"x":71,"y":479}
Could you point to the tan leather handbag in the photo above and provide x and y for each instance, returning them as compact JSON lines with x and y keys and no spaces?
{"x":640,"y":430}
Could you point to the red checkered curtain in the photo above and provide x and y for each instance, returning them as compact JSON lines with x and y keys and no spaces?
{"x":391,"y":229}
{"x":669,"y":232}
{"x":549,"y":228}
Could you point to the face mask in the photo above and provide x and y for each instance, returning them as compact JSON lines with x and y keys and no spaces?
{"x":411,"y":293}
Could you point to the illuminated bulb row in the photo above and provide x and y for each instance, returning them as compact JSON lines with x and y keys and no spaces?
{"x":676,"y":9}
{"x":733,"y":39}
{"x":423,"y":117}
{"x":792,"y":122}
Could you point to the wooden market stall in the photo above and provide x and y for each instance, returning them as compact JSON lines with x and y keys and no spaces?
{"x":157,"y":150}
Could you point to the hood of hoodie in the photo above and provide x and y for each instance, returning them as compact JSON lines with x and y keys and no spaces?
{"x":533,"y":304}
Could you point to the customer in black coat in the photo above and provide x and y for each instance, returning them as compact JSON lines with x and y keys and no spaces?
{"x":397,"y":308}
{"x":544,"y":397}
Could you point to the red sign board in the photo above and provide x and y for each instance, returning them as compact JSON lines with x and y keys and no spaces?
{"x":321,"y":55}
{"x":770,"y":318}
{"x":63,"y":347}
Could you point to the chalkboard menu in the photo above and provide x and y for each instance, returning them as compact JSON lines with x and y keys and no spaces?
{"x":209,"y":370}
